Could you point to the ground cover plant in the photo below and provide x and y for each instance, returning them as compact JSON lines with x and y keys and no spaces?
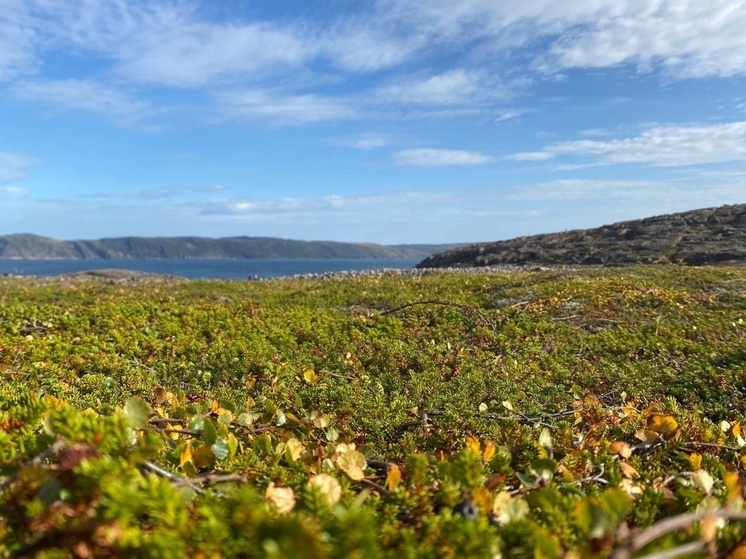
{"x":523,"y":414}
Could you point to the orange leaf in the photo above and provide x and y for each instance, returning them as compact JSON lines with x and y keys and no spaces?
{"x":663,"y":424}
{"x":733,"y":485}
{"x":473,"y":445}
{"x":393,"y":478}
{"x":489,"y":451}
{"x":627,"y":470}
{"x":621,"y":448}
{"x":186,"y":455}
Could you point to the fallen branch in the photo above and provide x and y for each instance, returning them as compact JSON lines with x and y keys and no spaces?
{"x":34,"y":462}
{"x":157,"y":470}
{"x":672,"y":524}
{"x":466,"y":309}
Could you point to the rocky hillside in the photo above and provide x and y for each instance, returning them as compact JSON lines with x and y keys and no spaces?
{"x":25,"y":246}
{"x":707,"y":236}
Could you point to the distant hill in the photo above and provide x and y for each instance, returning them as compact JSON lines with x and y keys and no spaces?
{"x":27,"y":246}
{"x":707,"y":236}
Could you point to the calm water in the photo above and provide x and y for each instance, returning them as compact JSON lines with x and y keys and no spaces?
{"x":224,"y":269}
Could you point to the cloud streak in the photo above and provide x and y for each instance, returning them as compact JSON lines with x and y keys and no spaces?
{"x":83,"y":95}
{"x":430,"y":157}
{"x":662,"y":146}
{"x":14,"y":166}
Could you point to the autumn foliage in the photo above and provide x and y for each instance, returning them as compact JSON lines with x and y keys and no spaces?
{"x":527,"y":414}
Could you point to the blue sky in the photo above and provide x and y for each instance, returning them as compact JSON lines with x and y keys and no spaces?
{"x":386,"y":121}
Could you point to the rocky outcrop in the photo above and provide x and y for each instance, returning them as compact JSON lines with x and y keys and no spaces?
{"x":708,"y":236}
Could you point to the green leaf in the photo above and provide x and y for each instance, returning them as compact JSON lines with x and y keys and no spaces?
{"x":209,"y":435}
{"x":197,"y":423}
{"x":543,"y":469}
{"x":232,"y":445}
{"x":592,"y":519}
{"x":203,"y":457}
{"x":220,"y":450}
{"x":137,"y":411}
{"x":618,"y":504}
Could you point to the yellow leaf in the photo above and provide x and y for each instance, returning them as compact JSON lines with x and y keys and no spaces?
{"x":186,"y":455}
{"x":733,"y":485}
{"x":507,"y":508}
{"x":545,"y":439}
{"x":621,"y":448}
{"x":482,"y":497}
{"x":507,"y":405}
{"x":646,"y":435}
{"x":473,"y":445}
{"x":352,"y":463}
{"x":695,"y":461}
{"x":736,"y":429}
{"x":283,"y":498}
{"x":310,"y":376}
{"x":329,"y":486}
{"x":630,"y":487}
{"x":627,"y":470}
{"x":489,"y":451}
{"x":393,"y":478}
{"x":663,"y":424}
{"x":294,"y":449}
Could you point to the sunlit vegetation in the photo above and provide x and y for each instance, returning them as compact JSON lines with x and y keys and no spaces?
{"x":525,"y":414}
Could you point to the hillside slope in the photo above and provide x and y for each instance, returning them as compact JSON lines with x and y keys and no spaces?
{"x":705,"y":236}
{"x":26,"y":246}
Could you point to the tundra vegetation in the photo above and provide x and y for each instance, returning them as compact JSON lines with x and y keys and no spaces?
{"x":523,"y":414}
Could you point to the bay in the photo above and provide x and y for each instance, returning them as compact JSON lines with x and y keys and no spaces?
{"x":205,"y":268}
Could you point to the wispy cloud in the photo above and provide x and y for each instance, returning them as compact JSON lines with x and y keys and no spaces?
{"x":453,"y":87}
{"x":12,"y":192}
{"x":665,"y":146}
{"x":530,"y":156}
{"x":430,"y":157}
{"x":16,"y":38}
{"x":83,"y":95}
{"x":277,"y":108}
{"x":688,"y":39}
{"x":14,"y":166}
{"x":685,"y":37}
{"x":366,"y":141}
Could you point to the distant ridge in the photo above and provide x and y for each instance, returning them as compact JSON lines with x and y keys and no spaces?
{"x":27,"y":246}
{"x":698,"y":237}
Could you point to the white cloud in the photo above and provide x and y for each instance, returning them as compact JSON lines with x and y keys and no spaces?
{"x":14,"y":166}
{"x":688,"y":38}
{"x":12,"y":192}
{"x":453,"y":87}
{"x":428,"y":157}
{"x":530,"y":156}
{"x":367,"y":141}
{"x":277,"y":108}
{"x":665,"y":146}
{"x":16,"y":38}
{"x":365,"y":44}
{"x":197,"y":54}
{"x":82,"y":95}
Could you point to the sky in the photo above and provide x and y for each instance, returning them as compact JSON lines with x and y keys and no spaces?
{"x":388,"y":121}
